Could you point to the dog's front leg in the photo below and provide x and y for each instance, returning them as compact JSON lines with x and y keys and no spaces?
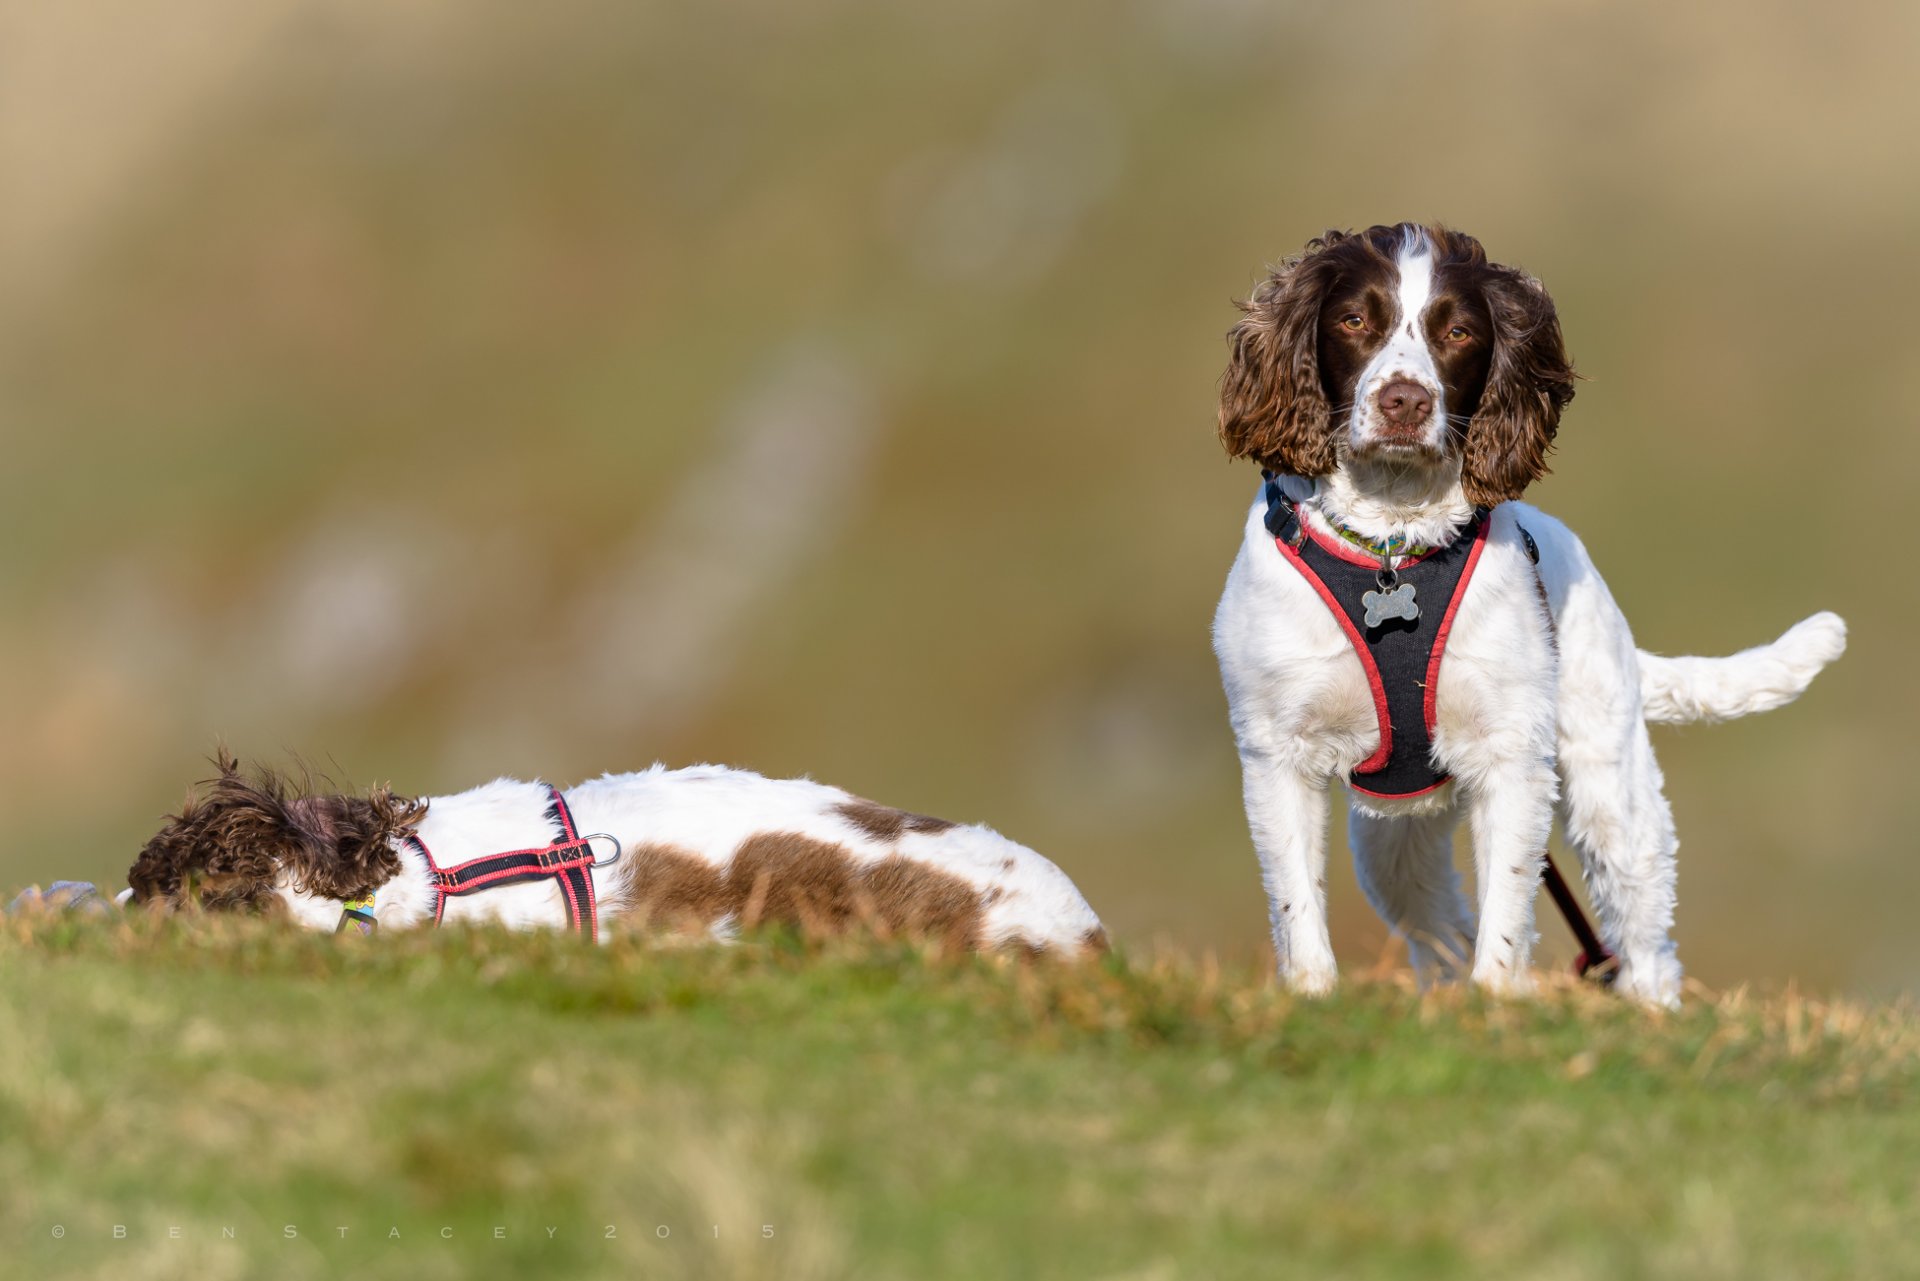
{"x":1288,"y":814}
{"x":1511,"y":815}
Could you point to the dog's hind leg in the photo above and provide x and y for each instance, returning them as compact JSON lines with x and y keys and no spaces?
{"x":1405,"y":868}
{"x":1615,"y":812}
{"x":1612,"y":799}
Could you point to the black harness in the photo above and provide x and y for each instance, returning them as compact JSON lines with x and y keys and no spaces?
{"x":1400,"y":654}
{"x":569,"y":859}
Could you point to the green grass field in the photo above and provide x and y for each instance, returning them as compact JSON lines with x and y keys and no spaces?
{"x":230,"y":1095}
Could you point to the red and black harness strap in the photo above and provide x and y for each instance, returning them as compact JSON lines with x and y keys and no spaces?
{"x":569,"y":860}
{"x":1401,"y":656}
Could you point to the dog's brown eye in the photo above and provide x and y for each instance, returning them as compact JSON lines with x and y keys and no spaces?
{"x":1458,"y":334}
{"x":1355,"y":322}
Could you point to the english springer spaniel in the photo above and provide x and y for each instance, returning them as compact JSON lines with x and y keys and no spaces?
{"x":707,"y":848}
{"x":1401,"y":392}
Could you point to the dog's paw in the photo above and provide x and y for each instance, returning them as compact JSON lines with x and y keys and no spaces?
{"x":1654,"y":981}
{"x":1311,"y":980}
{"x":1501,"y":980}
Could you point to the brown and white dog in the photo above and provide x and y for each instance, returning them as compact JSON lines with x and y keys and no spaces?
{"x":709,"y":847}
{"x":1404,"y":391}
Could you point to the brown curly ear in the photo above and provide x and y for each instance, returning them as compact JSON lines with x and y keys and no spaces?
{"x":1272,"y":406}
{"x":220,"y":852}
{"x":1529,"y":382}
{"x":349,"y":853}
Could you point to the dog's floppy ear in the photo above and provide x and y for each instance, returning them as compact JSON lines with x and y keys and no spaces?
{"x":349,"y":851}
{"x":1529,"y":382}
{"x":221,"y":851}
{"x":1272,"y":406}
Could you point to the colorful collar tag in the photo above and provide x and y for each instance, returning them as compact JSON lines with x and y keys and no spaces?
{"x":358,"y":913}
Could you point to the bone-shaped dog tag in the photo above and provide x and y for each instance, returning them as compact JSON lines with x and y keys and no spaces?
{"x":1398,"y":603}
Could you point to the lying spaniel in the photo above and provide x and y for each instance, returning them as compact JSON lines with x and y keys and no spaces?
{"x":1396,"y":617}
{"x":711,"y":848}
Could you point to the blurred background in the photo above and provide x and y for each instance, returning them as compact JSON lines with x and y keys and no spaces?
{"x":446,"y":390}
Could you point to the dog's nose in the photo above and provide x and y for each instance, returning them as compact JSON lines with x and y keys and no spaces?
{"x":1404,"y":403}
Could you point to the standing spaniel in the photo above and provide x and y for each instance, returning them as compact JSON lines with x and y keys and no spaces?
{"x":1397,"y":618}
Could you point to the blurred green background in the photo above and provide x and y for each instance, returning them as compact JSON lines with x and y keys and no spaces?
{"x":445,"y":390}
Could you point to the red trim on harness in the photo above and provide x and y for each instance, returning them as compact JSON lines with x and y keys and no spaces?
{"x":1359,"y":644}
{"x":1443,"y":780}
{"x":569,"y":855}
{"x":559,"y":856}
{"x":1446,"y":621}
{"x":590,"y":913}
{"x":457,"y":888}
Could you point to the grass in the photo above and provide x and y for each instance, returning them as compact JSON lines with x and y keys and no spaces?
{"x":473,"y":1104}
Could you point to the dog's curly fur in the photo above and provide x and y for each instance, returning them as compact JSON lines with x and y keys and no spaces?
{"x":231,"y":846}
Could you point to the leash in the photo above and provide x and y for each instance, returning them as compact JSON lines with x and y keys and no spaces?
{"x":1595,"y":960}
{"x":569,"y":859}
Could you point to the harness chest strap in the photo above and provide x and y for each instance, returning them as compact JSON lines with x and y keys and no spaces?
{"x":1400,"y":654}
{"x":569,"y":859}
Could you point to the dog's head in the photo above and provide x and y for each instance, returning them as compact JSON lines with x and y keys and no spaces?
{"x":252,"y":842}
{"x":1398,"y":343}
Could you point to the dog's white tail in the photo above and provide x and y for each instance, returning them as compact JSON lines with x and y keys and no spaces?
{"x":1678,"y":690}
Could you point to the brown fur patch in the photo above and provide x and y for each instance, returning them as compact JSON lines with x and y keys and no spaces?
{"x":912,"y":898}
{"x":783,"y":876}
{"x":816,"y":886}
{"x":884,"y":823}
{"x":668,"y":886}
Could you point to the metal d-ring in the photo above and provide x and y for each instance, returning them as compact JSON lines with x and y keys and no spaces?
{"x":591,"y":837}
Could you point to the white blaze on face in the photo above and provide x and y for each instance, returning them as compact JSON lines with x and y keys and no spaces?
{"x":1406,"y":354}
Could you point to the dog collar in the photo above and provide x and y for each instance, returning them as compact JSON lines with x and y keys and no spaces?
{"x":357,"y":913}
{"x":1380,"y":548}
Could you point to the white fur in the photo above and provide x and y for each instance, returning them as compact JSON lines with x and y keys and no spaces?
{"x":1404,"y":354}
{"x":1524,"y":714}
{"x":1679,"y":690}
{"x":707,"y":811}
